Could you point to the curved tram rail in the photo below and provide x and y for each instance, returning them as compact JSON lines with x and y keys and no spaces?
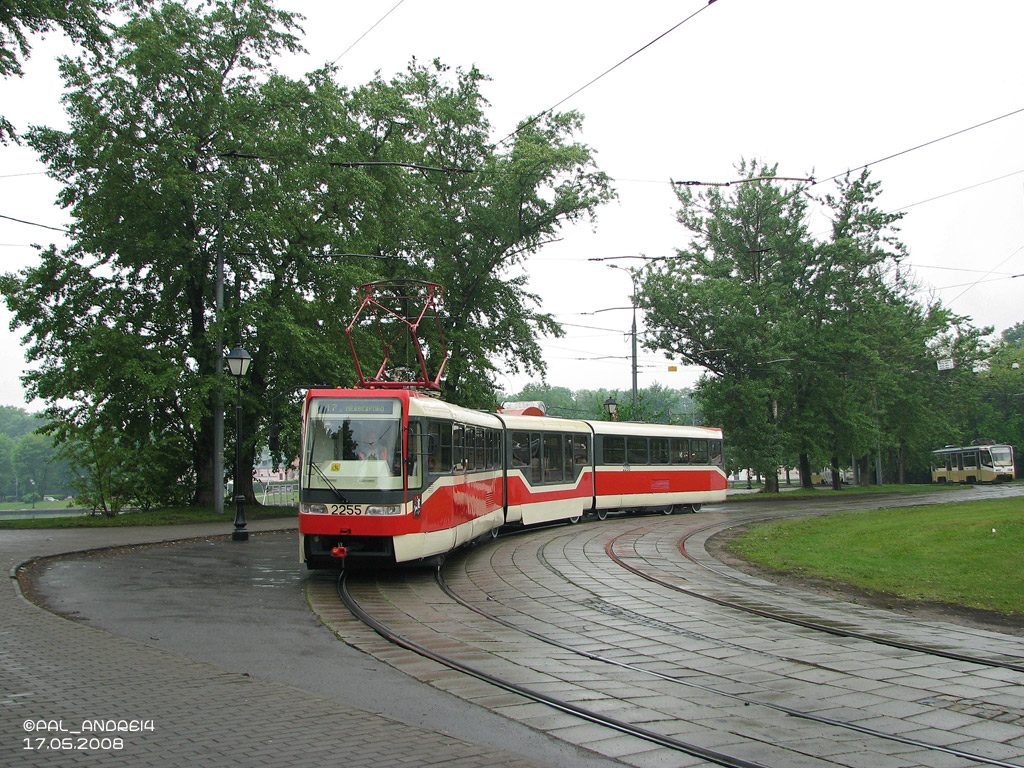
{"x":831,"y":628}
{"x":713,"y":756}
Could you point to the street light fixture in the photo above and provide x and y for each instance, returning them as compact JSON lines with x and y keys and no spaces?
{"x":238,"y":365}
{"x":611,"y":408}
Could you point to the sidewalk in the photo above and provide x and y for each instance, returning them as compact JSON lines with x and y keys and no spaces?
{"x":74,"y":695}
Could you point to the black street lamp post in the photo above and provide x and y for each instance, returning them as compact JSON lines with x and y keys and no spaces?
{"x":611,"y":408}
{"x":238,"y":364}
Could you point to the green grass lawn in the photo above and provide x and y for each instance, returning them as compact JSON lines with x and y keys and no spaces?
{"x":169,"y":516}
{"x":967,"y":553}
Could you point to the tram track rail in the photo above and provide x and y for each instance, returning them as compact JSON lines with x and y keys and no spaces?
{"x":438,"y":577}
{"x":713,"y":756}
{"x":663,"y":576}
{"x":788,"y":618}
{"x":629,"y":729}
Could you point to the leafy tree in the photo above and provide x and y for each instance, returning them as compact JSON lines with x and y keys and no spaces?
{"x":1003,"y":393}
{"x":19,"y":19}
{"x":1014,"y":336}
{"x":122,"y":321}
{"x":7,"y":475}
{"x":185,"y":148}
{"x":815,"y":349}
{"x":15,"y":422}
{"x":31,"y":458}
{"x":559,"y":401}
{"x":484,"y":210}
{"x":871,"y":335}
{"x":655,"y":404}
{"x":725,"y":303}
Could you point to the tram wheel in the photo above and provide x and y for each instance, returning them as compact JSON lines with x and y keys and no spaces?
{"x":575,"y":519}
{"x":602,"y":514}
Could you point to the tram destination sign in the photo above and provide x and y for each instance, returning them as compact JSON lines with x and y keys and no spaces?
{"x":350,"y":406}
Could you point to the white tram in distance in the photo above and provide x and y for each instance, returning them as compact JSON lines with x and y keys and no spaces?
{"x":983,"y":462}
{"x":398,"y":476}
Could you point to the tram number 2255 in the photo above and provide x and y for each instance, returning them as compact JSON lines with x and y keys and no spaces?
{"x":344,"y":509}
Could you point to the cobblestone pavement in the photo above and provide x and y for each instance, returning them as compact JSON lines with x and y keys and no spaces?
{"x":137,"y":705}
{"x":178,"y":708}
{"x":750,"y":686}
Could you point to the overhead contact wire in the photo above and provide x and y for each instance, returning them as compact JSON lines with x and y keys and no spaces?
{"x":607,"y":72}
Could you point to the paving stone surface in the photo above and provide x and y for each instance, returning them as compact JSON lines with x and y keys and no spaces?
{"x":74,"y":695}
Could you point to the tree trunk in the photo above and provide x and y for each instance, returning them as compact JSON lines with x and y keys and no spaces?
{"x":865,"y":470}
{"x":203,"y":462}
{"x":837,"y":477}
{"x":805,"y":471}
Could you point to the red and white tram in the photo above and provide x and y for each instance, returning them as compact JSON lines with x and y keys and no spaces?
{"x":400,"y":476}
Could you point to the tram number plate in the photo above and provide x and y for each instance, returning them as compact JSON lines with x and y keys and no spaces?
{"x":344,"y":509}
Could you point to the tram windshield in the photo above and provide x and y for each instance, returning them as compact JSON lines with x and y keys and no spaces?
{"x":353,"y":444}
{"x":1002,"y":454}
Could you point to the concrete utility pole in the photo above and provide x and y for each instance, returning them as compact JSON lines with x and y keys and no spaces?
{"x":218,"y":398}
{"x":634,"y":348}
{"x":632,"y":277}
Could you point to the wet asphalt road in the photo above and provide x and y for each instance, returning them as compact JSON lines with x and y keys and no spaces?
{"x":242,"y":607}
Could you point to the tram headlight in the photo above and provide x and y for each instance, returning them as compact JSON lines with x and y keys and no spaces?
{"x":314,"y":509}
{"x":384,"y":510}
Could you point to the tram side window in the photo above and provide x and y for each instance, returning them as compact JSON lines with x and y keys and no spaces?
{"x":716,"y":452}
{"x":467,"y":448}
{"x":553,"y":458}
{"x":580,"y":452}
{"x":986,"y":459}
{"x":971,"y":460}
{"x":568,"y":465}
{"x":458,"y":445}
{"x":536,"y":472}
{"x":680,"y":450}
{"x":445,"y":461}
{"x":415,"y":452}
{"x":434,"y":460}
{"x":480,"y":457}
{"x":636,"y":450}
{"x":614,"y":450}
{"x":700,"y":451}
{"x":659,"y":450}
{"x":494,"y":448}
{"x":521,"y":450}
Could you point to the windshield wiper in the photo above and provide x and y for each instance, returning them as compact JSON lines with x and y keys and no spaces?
{"x":326,"y":479}
{"x":313,"y":465}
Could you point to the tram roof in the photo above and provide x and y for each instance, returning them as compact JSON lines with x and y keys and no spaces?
{"x":641,"y":429}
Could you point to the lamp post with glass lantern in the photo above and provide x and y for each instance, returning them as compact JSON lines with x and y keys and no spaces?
{"x":611,"y":408}
{"x":238,"y":364}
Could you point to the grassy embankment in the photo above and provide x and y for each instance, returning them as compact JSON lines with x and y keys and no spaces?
{"x":966,"y":553}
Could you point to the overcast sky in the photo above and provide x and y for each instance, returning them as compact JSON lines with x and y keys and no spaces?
{"x":816,"y":87}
